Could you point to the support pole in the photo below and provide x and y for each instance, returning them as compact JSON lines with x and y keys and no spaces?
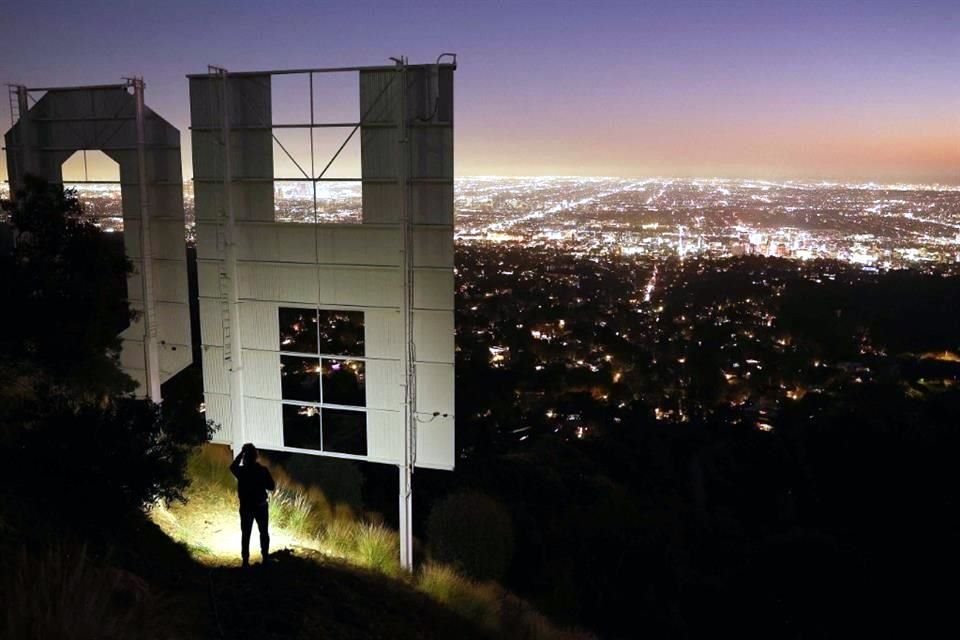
{"x":151,"y":351}
{"x":20,"y":155}
{"x":406,"y":311}
{"x":232,"y":335}
{"x":23,"y":104}
{"x":23,"y":155}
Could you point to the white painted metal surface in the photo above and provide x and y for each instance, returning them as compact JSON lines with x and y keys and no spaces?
{"x":147,"y":149}
{"x":395,"y":270}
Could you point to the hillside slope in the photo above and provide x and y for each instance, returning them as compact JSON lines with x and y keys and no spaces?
{"x":174,"y":573}
{"x":297,"y":598}
{"x":142,"y":584}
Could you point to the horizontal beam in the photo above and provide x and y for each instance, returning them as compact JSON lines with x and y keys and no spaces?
{"x":260,"y":180}
{"x":321,"y":125}
{"x":367,"y":180}
{"x":149,"y":147}
{"x":154,"y":183}
{"x":418,"y":226}
{"x":267,"y":127}
{"x":66,"y":182}
{"x":280,"y":72}
{"x":90,"y":87}
{"x":82,"y":119}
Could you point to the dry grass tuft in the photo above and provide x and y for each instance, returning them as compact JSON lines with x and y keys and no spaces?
{"x":371,"y":546}
{"x":489,"y":605}
{"x":474,"y":601}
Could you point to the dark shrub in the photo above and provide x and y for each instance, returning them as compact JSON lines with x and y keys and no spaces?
{"x":88,"y":467}
{"x":64,"y":290}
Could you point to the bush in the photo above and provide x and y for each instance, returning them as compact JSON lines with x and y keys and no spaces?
{"x":91,"y":466}
{"x":378,"y":548}
{"x":291,"y":509}
{"x":67,"y":282}
{"x":339,"y":537}
{"x":368,"y":545}
{"x":473,"y":531}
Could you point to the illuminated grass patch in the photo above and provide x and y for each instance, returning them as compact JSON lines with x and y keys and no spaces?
{"x":208,"y":523}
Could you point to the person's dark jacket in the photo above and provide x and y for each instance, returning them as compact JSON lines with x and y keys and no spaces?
{"x":253,"y":482}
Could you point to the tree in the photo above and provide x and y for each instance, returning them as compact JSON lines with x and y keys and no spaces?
{"x":84,"y":468}
{"x":63,"y":286}
{"x":79,"y":452}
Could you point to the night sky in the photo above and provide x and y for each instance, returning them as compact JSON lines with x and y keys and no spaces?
{"x":772,"y":89}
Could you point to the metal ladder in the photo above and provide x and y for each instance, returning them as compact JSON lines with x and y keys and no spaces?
{"x":223,"y":278}
{"x":224,"y":282}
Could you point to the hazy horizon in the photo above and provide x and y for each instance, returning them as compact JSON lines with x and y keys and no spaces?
{"x":805,"y":181}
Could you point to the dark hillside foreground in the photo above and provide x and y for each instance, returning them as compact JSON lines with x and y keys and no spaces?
{"x":295,"y":597}
{"x":176,"y":574}
{"x":69,"y":592}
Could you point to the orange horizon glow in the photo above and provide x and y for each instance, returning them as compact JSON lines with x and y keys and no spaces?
{"x":891,"y":157}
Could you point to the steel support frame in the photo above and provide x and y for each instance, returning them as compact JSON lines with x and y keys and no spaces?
{"x":381,"y":67}
{"x":18,"y":95}
{"x":235,"y":363}
{"x":405,"y":502}
{"x":151,"y":350}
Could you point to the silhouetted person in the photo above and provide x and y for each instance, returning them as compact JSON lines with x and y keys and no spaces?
{"x":253,"y":482}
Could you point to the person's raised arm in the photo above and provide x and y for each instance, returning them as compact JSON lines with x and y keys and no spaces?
{"x":235,"y":465}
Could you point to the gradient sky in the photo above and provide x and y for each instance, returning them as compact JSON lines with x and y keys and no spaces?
{"x":836,"y":89}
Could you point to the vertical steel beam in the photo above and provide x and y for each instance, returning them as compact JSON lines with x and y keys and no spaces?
{"x":235,"y":365}
{"x":20,"y":157}
{"x":313,"y":173}
{"x":151,"y":351}
{"x":406,"y":311}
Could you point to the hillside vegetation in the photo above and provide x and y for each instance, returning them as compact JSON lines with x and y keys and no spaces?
{"x":306,"y":529}
{"x":333,"y":573}
{"x":176,"y":574}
